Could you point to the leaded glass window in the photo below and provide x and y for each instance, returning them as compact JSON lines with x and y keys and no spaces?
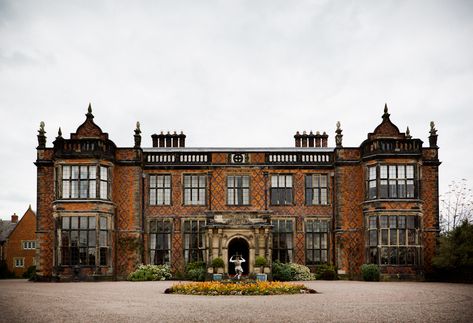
{"x":238,"y":190}
{"x":160,"y":241}
{"x":283,"y":237}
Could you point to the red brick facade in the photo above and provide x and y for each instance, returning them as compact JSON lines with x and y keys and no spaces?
{"x":20,"y":247}
{"x":91,"y":226}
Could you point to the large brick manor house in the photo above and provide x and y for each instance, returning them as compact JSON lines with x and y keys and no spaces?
{"x":103,"y":209}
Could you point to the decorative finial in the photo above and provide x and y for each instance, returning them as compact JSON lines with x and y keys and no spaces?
{"x":89,"y":111}
{"x":41,"y":136}
{"x":386,"y":114}
{"x":433,"y":131}
{"x":338,"y":136}
{"x":408,"y":133}
{"x":137,"y":135}
{"x":433,"y":135}
{"x":41,"y":128}
{"x":59,"y":133}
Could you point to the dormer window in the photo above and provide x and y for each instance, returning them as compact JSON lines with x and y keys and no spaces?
{"x":84,"y":182}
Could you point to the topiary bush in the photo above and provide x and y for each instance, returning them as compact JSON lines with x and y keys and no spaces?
{"x":30,"y":273}
{"x":260,"y":261}
{"x":196,"y":271}
{"x":218,"y":263}
{"x":326,"y":272}
{"x":370,"y":272}
{"x":151,"y":272}
{"x":291,"y":271}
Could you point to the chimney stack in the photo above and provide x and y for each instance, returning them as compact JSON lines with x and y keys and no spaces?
{"x":14,"y":218}
{"x":169,"y":140}
{"x":310,"y":140}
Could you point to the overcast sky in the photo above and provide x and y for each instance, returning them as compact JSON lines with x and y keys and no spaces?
{"x":232,"y":73}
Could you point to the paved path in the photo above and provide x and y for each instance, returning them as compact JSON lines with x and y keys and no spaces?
{"x":338,"y":301}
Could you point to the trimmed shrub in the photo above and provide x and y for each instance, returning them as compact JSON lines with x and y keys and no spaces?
{"x":4,"y":272}
{"x":151,"y":272}
{"x":326,"y":272}
{"x":196,"y":271}
{"x":370,"y":272}
{"x":260,"y":261}
{"x":30,"y":273}
{"x":291,"y":271}
{"x":218,"y":263}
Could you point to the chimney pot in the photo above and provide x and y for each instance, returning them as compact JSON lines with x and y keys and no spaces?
{"x":14,"y":218}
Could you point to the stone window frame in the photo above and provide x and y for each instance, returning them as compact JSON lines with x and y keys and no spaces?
{"x":375,"y":175}
{"x":28,"y":244}
{"x":187,"y":236}
{"x":312,"y":234}
{"x":192,"y":188}
{"x":95,"y":186}
{"x":166,"y":189}
{"x":317,"y":190}
{"x":19,"y":262}
{"x":277,"y":190}
{"x":276,"y":237}
{"x":236,"y":189}
{"x":98,"y":229}
{"x":155,"y":234}
{"x":384,"y":234}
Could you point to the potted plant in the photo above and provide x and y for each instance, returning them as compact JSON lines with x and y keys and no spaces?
{"x":218,"y":265}
{"x":260,"y":263}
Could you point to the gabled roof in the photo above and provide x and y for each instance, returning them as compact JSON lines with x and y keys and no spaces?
{"x":6,"y":227}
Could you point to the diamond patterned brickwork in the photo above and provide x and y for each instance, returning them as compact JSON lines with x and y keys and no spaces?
{"x":126,"y":193}
{"x":350,"y":216}
{"x":45,"y":219}
{"x":429,"y":195}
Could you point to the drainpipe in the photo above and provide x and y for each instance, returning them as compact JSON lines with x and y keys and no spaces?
{"x":143,"y":176}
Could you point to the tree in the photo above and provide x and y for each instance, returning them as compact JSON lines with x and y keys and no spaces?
{"x":454,"y":259}
{"x":456,"y":205}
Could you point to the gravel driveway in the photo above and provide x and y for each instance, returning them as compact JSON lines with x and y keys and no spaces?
{"x":337,"y":301}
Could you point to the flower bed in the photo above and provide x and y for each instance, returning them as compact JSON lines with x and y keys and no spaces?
{"x":249,"y":288}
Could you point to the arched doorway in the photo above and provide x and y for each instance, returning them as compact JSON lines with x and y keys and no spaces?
{"x":240,"y":247}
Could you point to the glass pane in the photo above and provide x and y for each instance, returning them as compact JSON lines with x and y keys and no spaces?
{"x":281,"y":181}
{"x":230,"y":198}
{"x":83,"y":222}
{"x":103,"y":256}
{"x":159,"y":181}
{"x":84,"y":185}
{"x":383,"y":189}
{"x":246,"y":181}
{"x":373,"y":222}
{"x":202,"y":181}
{"x":392,"y":222}
{"x":410,"y":222}
{"x":66,"y":172}
{"x":373,"y":238}
{"x":103,"y":223}
{"x":103,"y":190}
{"x":393,"y":256}
{"x":92,"y":189}
{"x":152,"y":197}
{"x":75,"y":189}
{"x":75,"y":172}
{"x":374,"y":255}
{"x":289,"y":181}
{"x":91,"y":256}
{"x":402,"y":237}
{"x":83,"y":172}
{"x":384,"y":256}
{"x":103,"y":173}
{"x":393,"y":237}
{"x":74,"y":222}
{"x":323,"y":241}
{"x":409,"y":171}
{"x":392,"y":172}
{"x":159,"y":196}
{"x":274,"y":181}
{"x":246,"y":196}
{"x":392,"y":188}
{"x":401,"y":222}
{"x":383,"y":170}
{"x":167,"y":181}
{"x":103,"y":239}
{"x":323,"y":181}
{"x":383,"y":221}
{"x":309,"y":241}
{"x":83,"y":238}
{"x":402,"y":256}
{"x":384,"y":237}
{"x":323,"y":196}
{"x":402,"y":188}
{"x":401,"y":172}
{"x":187,"y":180}
{"x":309,"y":226}
{"x":201,"y":196}
{"x":167,"y":196}
{"x":308,"y":181}
{"x":65,"y":222}
{"x":410,"y":188}
{"x":152,"y":181}
{"x":372,"y":173}
{"x":92,"y":172}
{"x":92,"y":238}
{"x":152,"y":241}
{"x":66,"y":189}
